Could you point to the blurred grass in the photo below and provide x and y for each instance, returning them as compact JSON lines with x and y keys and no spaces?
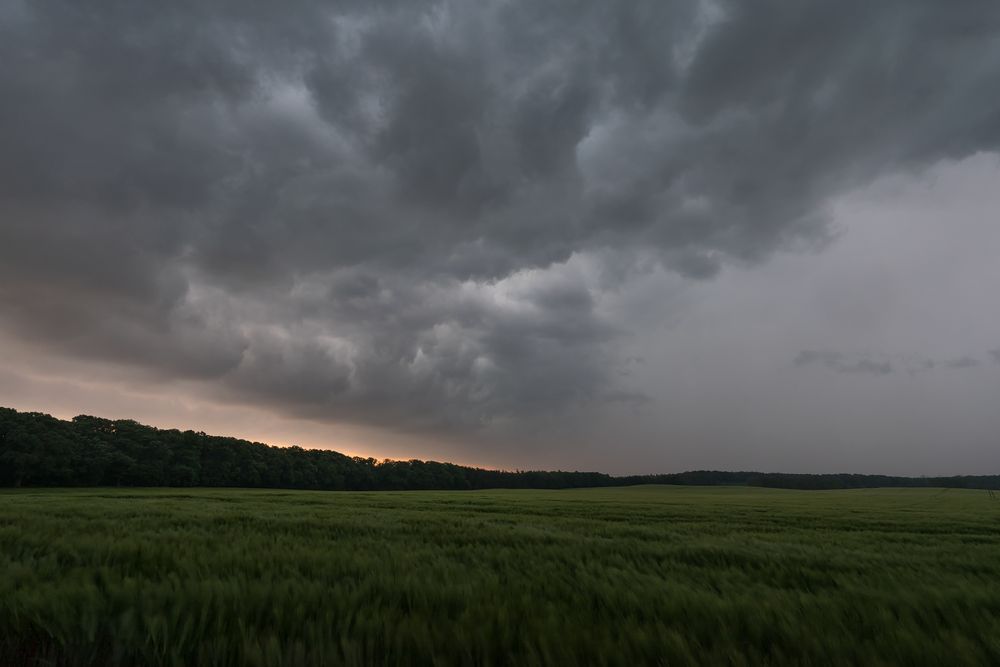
{"x":638,"y":575}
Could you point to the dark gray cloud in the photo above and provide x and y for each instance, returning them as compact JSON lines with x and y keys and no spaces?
{"x":869,"y":367}
{"x":412,"y":213}
{"x":827,"y":358}
{"x":882,"y":364}
{"x":839,"y":362}
{"x":962,"y":362}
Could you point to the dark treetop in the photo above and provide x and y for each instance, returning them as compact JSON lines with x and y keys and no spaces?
{"x":39,"y":450}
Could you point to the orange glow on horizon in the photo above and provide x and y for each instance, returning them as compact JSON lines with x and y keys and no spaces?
{"x":71,"y":389}
{"x":274,"y":431}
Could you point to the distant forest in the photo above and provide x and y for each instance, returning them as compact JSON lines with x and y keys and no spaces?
{"x":38,"y":450}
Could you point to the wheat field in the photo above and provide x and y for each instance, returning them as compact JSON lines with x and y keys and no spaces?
{"x":640,"y":575}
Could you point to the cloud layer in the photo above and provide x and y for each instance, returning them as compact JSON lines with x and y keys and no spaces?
{"x":419,"y":214}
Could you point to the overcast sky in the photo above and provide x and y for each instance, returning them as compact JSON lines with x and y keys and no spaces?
{"x":630,"y":237}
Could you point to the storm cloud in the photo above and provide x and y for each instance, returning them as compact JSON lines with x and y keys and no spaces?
{"x":838,"y":362}
{"x":880,"y":364}
{"x":419,"y":214}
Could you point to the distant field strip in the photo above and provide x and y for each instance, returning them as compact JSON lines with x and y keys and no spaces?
{"x":623,"y":576}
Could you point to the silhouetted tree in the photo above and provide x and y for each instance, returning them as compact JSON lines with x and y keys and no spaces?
{"x":39,"y":450}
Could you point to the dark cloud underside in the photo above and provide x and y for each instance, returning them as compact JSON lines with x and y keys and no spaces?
{"x":412,"y":213}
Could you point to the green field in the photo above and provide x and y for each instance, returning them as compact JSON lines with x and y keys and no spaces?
{"x":640,"y":575}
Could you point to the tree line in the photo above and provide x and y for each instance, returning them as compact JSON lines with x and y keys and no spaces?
{"x":39,"y":450}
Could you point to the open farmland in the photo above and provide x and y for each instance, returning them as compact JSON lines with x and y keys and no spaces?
{"x":639,"y":575}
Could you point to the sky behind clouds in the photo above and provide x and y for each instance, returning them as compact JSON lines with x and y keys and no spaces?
{"x":632,"y":238}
